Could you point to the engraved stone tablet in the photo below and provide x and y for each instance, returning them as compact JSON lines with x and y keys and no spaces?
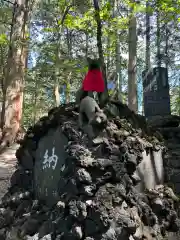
{"x":156,"y":92}
{"x":49,"y":162}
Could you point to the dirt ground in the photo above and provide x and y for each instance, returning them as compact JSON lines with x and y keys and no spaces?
{"x":7,"y":166}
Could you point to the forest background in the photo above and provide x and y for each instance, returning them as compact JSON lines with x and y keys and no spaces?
{"x":44,"y":46}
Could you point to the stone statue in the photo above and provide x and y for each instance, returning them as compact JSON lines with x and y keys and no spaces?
{"x":90,"y":116}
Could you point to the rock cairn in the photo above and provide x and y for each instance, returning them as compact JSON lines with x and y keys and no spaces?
{"x":97,"y":197}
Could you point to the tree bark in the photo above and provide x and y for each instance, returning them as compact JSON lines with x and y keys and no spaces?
{"x":35,"y":95}
{"x":147,"y":37}
{"x":158,"y":39}
{"x":118,"y":68}
{"x":56,"y":94}
{"x":166,"y":46}
{"x":13,"y":84}
{"x":87,"y":46}
{"x":56,"y":83}
{"x":104,"y":96}
{"x":132,"y":86}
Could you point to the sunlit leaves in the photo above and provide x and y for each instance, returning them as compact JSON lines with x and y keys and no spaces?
{"x":3,"y":39}
{"x":105,"y":11}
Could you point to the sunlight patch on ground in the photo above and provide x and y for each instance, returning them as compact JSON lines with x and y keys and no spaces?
{"x":7,"y":166}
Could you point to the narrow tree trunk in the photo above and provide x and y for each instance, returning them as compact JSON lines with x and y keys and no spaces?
{"x":87,"y":46}
{"x":57,"y":73}
{"x":99,"y":41}
{"x":68,"y":79}
{"x":118,"y":68}
{"x":35,"y":99}
{"x":100,"y":49}
{"x":179,"y":99}
{"x":3,"y":107}
{"x":158,"y":40}
{"x":147,"y":53}
{"x":108,"y":58}
{"x":56,"y":94}
{"x":132,"y":86}
{"x":3,"y":90}
{"x":56,"y":84}
{"x":118,"y":55}
{"x":166,"y":46}
{"x":13,"y":84}
{"x":147,"y":37}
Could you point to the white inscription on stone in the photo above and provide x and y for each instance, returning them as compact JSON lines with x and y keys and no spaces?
{"x":50,"y":161}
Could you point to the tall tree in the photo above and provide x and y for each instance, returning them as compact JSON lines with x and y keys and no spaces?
{"x":132,"y":45}
{"x":58,"y":52}
{"x":147,"y":37}
{"x":13,"y":82}
{"x":158,"y":36}
{"x":118,"y":58}
{"x":100,"y":48}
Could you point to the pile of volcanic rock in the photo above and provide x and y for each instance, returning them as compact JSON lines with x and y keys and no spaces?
{"x":98,"y":199}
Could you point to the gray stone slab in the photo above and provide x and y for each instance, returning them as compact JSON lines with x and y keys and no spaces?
{"x":50,"y":158}
{"x":150,"y":170}
{"x":156,"y":92}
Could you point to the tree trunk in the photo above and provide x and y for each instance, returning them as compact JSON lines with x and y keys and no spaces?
{"x":158,"y":40}
{"x":56,"y":94}
{"x":147,"y":37}
{"x":108,"y":58}
{"x":57,"y":72}
{"x":118,"y":68}
{"x":166,"y":45}
{"x":57,"y":62}
{"x":147,"y":53}
{"x":118,"y":55}
{"x":132,"y":86}
{"x":13,"y":84}
{"x":87,"y":46}
{"x":179,"y":99}
{"x":35,"y":101}
{"x":104,"y":96}
{"x":68,"y":80}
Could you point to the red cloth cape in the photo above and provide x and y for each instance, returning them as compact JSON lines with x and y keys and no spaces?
{"x":93,"y":81}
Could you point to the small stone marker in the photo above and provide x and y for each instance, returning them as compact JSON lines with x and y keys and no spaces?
{"x":49,"y":162}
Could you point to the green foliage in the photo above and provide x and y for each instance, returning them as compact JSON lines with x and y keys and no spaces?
{"x":3,"y":39}
{"x":63,"y":49}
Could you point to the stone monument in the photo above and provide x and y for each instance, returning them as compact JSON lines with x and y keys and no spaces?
{"x":49,"y":163}
{"x":156,"y":92}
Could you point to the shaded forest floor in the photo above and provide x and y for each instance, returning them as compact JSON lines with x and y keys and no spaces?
{"x":7,"y":166}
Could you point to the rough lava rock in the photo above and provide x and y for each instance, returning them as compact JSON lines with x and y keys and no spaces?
{"x":99,"y":200}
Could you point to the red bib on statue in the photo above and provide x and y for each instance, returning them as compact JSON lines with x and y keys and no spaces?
{"x":93,"y":81}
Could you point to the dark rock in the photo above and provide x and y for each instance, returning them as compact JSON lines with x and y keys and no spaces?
{"x":13,"y":234}
{"x":22,"y":179}
{"x":23,"y":208}
{"x":135,"y":179}
{"x":3,"y":234}
{"x":46,"y":228}
{"x":26,"y":160}
{"x":174,"y":227}
{"x":77,"y":209}
{"x":7,"y":218}
{"x":157,"y":205}
{"x":77,"y":232}
{"x":83,"y":176}
{"x":95,"y":186}
{"x":91,"y":228}
{"x":30,"y":227}
{"x":2,"y":222}
{"x":88,"y":190}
